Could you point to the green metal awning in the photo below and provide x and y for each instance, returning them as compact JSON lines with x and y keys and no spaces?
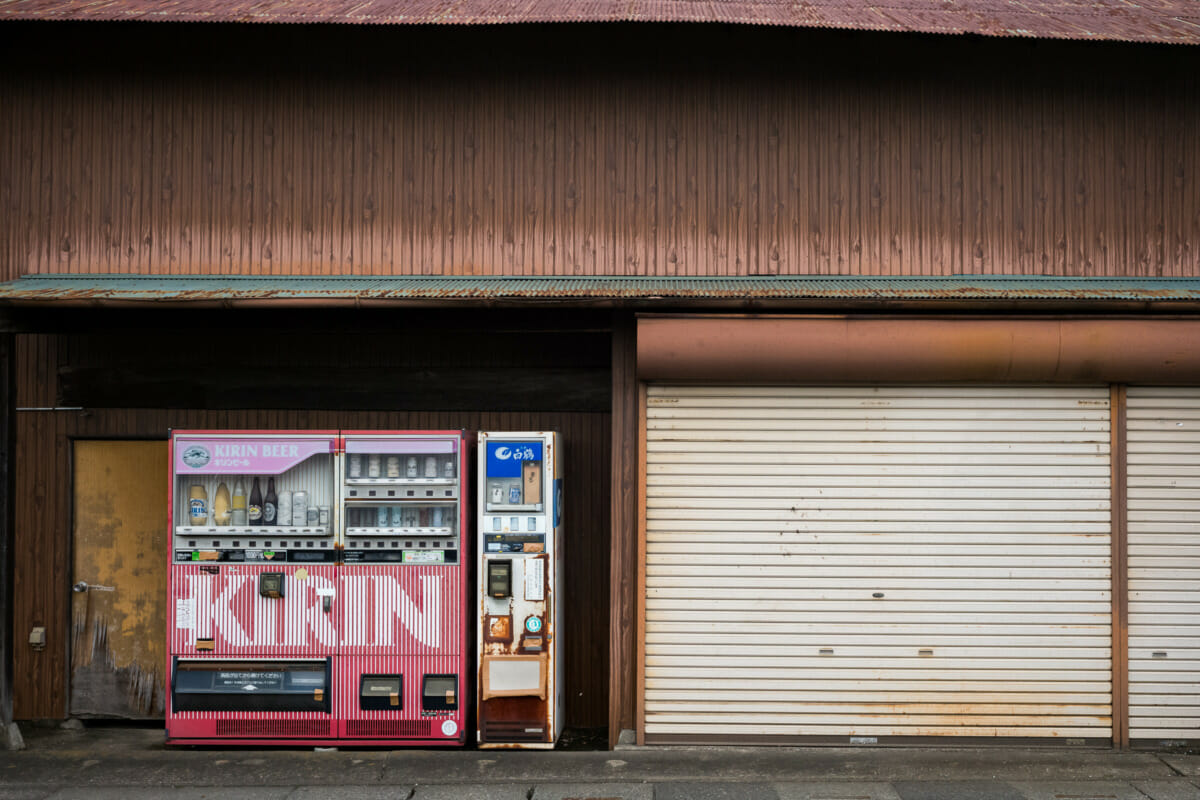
{"x":99,"y":289}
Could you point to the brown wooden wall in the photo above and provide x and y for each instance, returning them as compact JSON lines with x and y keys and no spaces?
{"x":43,"y":517}
{"x":726,"y":152}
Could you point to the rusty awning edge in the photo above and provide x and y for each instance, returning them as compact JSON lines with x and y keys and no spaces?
{"x":1166,"y":21}
{"x":92,"y":289}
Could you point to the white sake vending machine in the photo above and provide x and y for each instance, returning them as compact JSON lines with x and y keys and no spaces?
{"x":520,"y":568}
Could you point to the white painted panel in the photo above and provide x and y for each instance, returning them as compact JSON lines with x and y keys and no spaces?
{"x":775,"y":515}
{"x":1164,"y":562}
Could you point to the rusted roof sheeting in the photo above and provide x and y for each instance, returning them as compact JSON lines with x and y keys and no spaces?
{"x":1171,"y":21}
{"x":75,"y":288}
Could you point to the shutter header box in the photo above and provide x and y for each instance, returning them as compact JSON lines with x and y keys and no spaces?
{"x":824,"y":349}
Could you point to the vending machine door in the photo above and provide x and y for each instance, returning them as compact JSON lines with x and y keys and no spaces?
{"x":253,"y":595}
{"x":403,"y":585}
{"x":253,"y":543}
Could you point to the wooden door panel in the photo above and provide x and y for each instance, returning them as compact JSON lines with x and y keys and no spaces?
{"x":118,"y":622}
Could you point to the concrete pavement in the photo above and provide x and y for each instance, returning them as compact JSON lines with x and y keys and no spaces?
{"x":121,"y":763}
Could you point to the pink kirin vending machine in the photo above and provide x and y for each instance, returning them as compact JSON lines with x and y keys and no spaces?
{"x":301,"y":610}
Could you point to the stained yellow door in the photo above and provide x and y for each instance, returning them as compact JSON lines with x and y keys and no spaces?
{"x":120,"y":579}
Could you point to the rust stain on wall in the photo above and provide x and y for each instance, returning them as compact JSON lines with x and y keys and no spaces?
{"x":117,"y":645}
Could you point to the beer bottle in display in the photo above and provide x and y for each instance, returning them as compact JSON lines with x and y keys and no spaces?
{"x":222,"y":510}
{"x":255,"y":508}
{"x":237,"y":513}
{"x":270,"y":504}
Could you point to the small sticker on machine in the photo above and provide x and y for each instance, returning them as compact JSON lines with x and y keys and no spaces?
{"x":424,"y":557}
{"x":535,"y":579}
{"x":185,"y":614}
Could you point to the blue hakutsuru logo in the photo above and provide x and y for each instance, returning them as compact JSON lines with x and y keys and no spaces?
{"x":504,"y":459}
{"x":517,"y":453}
{"x":196,"y":456}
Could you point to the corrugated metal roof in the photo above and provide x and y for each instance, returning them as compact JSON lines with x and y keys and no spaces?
{"x":1173,"y":21}
{"x":81,"y":288}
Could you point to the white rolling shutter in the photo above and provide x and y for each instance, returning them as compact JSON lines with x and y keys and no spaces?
{"x":1164,"y":562}
{"x":776,"y":515}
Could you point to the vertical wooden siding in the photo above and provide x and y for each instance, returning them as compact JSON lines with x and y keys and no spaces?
{"x":725,"y":172}
{"x":43,"y":513}
{"x":623,"y":588}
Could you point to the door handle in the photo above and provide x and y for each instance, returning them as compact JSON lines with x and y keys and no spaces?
{"x":83,"y":586}
{"x":327,"y":604}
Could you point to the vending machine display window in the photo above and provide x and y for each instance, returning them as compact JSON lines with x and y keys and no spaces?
{"x":373,"y":518}
{"x":253,"y":487}
{"x":514,"y":477}
{"x":402,"y":469}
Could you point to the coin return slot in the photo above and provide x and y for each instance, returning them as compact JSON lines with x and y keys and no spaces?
{"x":439,"y":693}
{"x":380,"y":692}
{"x":925,"y":652}
{"x":1159,"y":654}
{"x":191,"y":542}
{"x":826,"y":651}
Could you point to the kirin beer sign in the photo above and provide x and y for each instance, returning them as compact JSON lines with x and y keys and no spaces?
{"x":362,"y":611}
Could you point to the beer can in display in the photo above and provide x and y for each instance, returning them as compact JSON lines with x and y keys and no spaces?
{"x":397,"y":516}
{"x":373,"y":465}
{"x":299,"y":509}
{"x":323,"y":515}
{"x":381,"y":517}
{"x":314,"y":517}
{"x":355,"y":465}
{"x":283,"y":513}
{"x":393,"y":466}
{"x":410,"y":467}
{"x":514,"y":494}
{"x":430,"y":466}
{"x":448,"y":468}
